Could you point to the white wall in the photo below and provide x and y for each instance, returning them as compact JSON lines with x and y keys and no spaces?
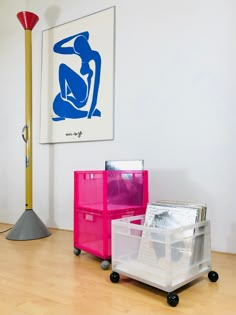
{"x":174,"y":107}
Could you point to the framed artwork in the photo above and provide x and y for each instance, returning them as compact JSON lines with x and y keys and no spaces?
{"x":77,"y":83}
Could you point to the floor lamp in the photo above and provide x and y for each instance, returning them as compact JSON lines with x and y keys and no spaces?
{"x":29,"y":226}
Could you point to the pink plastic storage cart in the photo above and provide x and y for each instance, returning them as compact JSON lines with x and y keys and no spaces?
{"x":99,"y":198}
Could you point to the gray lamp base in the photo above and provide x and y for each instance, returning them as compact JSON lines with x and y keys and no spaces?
{"x":28,"y":227}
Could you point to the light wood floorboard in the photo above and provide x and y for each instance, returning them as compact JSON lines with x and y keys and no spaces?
{"x":44,"y":277}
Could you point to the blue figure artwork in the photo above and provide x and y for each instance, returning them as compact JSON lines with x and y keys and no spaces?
{"x":77,"y":89}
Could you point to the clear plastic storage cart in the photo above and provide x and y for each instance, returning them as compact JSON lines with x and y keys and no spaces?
{"x":99,"y":198}
{"x":165,"y":259}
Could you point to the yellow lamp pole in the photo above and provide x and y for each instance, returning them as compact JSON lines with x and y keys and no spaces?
{"x":28,"y":121}
{"x":29,"y":226}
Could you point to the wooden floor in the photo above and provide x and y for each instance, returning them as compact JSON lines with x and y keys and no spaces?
{"x":44,"y":277}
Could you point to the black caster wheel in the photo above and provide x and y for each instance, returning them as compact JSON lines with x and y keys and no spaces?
{"x":213,"y":276}
{"x":114,"y":277}
{"x":77,"y":251}
{"x":172,"y":299}
{"x":105,"y":264}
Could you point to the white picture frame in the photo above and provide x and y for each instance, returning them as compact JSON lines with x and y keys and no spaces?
{"x":77,"y":80}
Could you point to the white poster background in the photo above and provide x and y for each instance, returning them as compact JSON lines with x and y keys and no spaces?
{"x":100,"y":26}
